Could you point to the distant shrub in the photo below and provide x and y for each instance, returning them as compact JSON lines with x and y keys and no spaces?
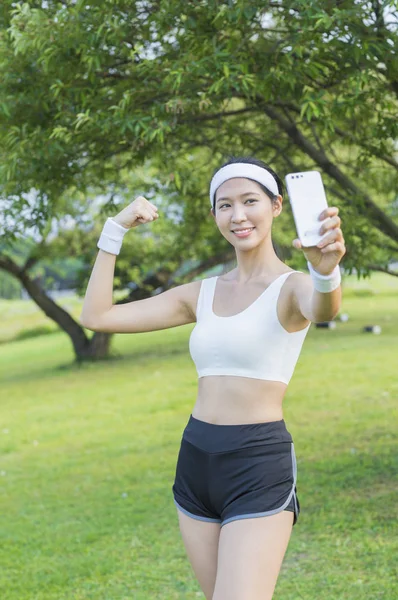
{"x":364,"y":293}
{"x":25,"y":334}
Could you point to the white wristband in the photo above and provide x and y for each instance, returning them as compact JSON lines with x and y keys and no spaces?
{"x":111,"y":237}
{"x":325,"y":283}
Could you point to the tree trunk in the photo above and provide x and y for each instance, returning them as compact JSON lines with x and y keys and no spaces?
{"x":85,"y":348}
{"x":97,"y":347}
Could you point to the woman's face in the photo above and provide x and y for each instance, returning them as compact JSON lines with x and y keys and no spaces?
{"x":242,"y":204}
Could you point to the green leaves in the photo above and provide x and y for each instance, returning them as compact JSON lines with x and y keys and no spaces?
{"x":82,"y":119}
{"x":88,"y":91}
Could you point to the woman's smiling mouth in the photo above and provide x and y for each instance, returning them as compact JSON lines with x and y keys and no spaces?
{"x":243,"y":232}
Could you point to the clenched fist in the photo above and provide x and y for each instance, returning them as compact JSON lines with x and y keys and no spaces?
{"x":138,"y":212}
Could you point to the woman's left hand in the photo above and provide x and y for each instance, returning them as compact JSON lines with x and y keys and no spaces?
{"x":328,"y":253}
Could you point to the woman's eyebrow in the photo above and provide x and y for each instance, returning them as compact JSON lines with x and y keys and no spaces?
{"x":241,"y":196}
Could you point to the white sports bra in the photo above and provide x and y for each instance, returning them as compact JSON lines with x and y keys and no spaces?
{"x":252,"y":343}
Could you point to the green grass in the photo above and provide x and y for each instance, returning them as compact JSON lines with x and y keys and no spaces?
{"x":88,"y":457}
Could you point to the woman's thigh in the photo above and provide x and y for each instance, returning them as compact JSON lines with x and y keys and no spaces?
{"x":201,"y":543}
{"x":250,"y":555}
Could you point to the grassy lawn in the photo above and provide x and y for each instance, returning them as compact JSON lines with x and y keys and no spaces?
{"x":88,"y":457}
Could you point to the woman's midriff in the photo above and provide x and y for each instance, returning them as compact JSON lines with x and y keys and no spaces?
{"x":228,"y":400}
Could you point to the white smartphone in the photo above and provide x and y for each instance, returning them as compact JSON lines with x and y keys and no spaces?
{"x":308,"y":199}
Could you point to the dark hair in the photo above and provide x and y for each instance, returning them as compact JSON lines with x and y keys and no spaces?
{"x":259,"y":163}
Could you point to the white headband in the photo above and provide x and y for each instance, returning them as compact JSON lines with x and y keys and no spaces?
{"x":242,"y":170}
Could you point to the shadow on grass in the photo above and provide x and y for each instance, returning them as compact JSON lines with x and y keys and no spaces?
{"x":115,"y":358}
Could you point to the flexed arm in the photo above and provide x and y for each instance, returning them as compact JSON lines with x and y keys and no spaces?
{"x":162,"y":311}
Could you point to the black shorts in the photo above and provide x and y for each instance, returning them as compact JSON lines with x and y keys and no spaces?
{"x":230,"y":472}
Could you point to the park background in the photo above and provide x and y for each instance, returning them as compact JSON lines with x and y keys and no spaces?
{"x":103,"y":101}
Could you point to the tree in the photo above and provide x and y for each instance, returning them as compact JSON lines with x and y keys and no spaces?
{"x":295,"y":81}
{"x":90,"y":90}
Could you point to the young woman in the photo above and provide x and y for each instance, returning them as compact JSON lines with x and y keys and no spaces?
{"x":235,"y":484}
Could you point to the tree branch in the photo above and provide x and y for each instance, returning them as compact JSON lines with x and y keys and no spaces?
{"x":373,"y":267}
{"x":386,"y":225}
{"x":221,"y":114}
{"x":343,"y":134}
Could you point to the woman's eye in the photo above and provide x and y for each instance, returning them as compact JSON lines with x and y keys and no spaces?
{"x":248,"y":200}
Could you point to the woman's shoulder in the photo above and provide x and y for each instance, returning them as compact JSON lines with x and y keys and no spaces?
{"x":298,"y":284}
{"x":299,"y":276}
{"x":298,"y":280}
{"x":191,"y":293}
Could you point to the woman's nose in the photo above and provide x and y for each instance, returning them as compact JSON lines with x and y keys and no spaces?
{"x":238,"y":214}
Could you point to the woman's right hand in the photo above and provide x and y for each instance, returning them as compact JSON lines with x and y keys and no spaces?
{"x":138,"y":212}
